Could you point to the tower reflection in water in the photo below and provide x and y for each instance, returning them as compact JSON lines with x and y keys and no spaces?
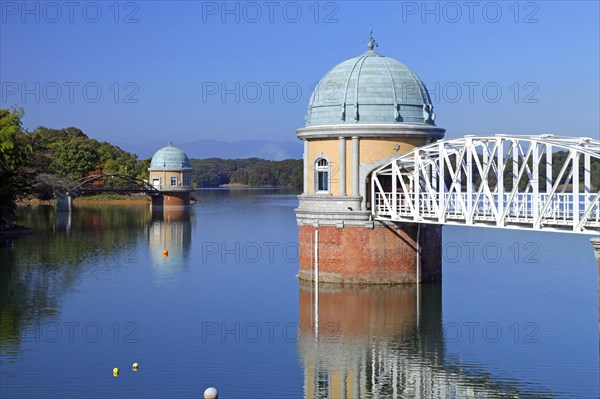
{"x":387,"y":342}
{"x":372,"y":340}
{"x":169,"y":235}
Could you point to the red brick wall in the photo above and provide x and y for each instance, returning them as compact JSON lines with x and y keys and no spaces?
{"x":172,"y":199}
{"x":371,"y":256}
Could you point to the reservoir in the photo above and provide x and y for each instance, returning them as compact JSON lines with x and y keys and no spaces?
{"x":210,"y":297}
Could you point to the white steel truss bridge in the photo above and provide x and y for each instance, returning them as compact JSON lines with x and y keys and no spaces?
{"x":545,"y":183}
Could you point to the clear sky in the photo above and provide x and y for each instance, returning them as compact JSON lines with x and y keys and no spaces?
{"x":147,"y":70}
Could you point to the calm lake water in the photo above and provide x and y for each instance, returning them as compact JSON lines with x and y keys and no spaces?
{"x":515,"y":316}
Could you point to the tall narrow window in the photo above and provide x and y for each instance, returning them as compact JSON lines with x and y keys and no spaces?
{"x":322,"y":175}
{"x":173,"y":180}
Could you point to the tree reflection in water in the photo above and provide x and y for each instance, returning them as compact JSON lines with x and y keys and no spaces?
{"x":37,"y":270}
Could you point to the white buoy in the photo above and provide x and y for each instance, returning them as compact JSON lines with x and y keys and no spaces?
{"x":135,"y":366}
{"x":211,"y":393}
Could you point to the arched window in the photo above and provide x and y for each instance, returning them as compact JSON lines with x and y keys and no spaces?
{"x":322,"y":175}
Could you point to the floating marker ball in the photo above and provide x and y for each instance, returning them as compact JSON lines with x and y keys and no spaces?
{"x":135,"y":366}
{"x":211,"y":393}
{"x":115,"y":371}
{"x":165,"y":253}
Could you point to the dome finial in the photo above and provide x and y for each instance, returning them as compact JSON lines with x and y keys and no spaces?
{"x":372,"y":43}
{"x":170,"y":142}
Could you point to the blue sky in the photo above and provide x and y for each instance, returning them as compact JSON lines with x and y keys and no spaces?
{"x":149,"y":70}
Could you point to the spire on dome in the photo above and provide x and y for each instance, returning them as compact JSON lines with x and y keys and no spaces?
{"x":372,"y":42}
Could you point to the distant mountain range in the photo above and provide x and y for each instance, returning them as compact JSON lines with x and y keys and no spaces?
{"x":265,"y":149}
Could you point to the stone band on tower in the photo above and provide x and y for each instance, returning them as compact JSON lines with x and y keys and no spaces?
{"x":364,"y":112}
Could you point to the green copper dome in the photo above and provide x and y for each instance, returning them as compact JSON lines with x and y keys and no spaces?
{"x":169,"y":158}
{"x":370,"y":88}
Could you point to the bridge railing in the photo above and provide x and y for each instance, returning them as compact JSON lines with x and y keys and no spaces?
{"x":560,"y":210}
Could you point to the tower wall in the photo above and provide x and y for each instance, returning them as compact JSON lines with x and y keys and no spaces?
{"x":379,"y":254}
{"x":171,"y":199}
{"x":164,"y":176}
{"x":372,"y":149}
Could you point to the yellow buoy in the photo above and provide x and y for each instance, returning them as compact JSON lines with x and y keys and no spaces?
{"x":135,"y":366}
{"x":115,"y":372}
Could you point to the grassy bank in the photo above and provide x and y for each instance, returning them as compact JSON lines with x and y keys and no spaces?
{"x":102,"y":198}
{"x":112,"y":198}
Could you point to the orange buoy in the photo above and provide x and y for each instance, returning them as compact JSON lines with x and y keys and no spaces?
{"x":165,"y":252}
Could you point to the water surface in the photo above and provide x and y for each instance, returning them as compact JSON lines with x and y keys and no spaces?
{"x":516,"y":314}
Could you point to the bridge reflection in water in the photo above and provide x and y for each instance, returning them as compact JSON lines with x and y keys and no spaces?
{"x":386,"y":341}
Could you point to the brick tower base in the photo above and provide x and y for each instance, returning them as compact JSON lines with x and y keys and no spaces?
{"x":168,"y":199}
{"x":379,"y":255}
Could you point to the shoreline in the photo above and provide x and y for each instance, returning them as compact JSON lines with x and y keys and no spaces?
{"x":84,"y":201}
{"x":113,"y":201}
{"x":240,"y":185}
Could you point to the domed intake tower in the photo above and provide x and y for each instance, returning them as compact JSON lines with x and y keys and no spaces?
{"x":364,"y":112}
{"x":171,"y":174}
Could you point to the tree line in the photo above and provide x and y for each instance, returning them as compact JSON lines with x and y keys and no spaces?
{"x":34,"y":164}
{"x":254,"y":172}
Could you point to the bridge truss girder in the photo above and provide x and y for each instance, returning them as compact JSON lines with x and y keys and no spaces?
{"x":113,"y":183}
{"x":498,"y":181}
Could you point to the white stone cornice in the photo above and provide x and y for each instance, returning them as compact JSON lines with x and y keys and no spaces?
{"x":370,"y":130}
{"x":185,"y":169}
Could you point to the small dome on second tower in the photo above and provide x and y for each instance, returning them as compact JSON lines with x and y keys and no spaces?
{"x":170,"y":158}
{"x":370,"y":88}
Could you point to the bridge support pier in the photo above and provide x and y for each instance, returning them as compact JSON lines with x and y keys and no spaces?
{"x":64,"y":202}
{"x":374,"y":253}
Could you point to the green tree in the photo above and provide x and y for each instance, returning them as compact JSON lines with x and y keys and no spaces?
{"x":13,"y":153}
{"x":75,"y":157}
